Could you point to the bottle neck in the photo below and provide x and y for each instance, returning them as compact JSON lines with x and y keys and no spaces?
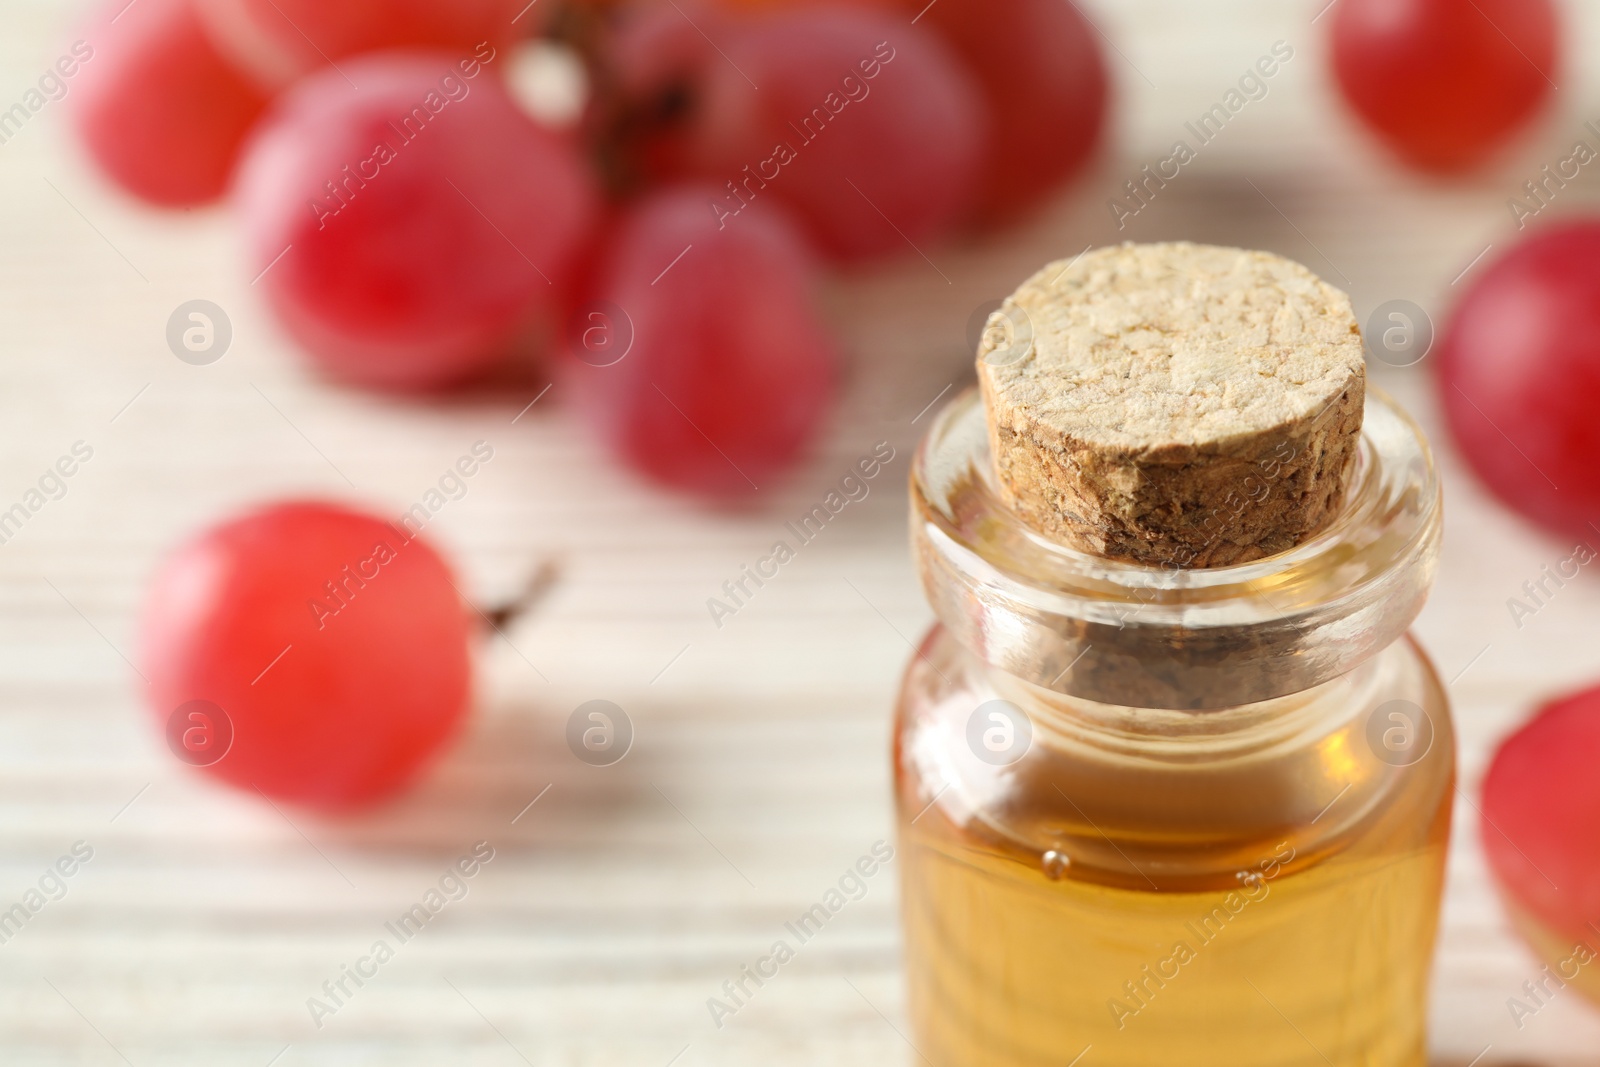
{"x":1131,"y":635}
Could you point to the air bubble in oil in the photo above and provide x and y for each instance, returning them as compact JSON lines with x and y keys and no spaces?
{"x":1055,"y":864}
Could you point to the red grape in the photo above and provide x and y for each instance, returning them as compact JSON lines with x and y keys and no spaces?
{"x":698,"y":351}
{"x":426,"y":219}
{"x":865,"y":125}
{"x":335,"y":646}
{"x":281,"y":40}
{"x":1444,"y":82}
{"x":1541,"y":815}
{"x":1519,"y":377}
{"x":1043,"y":77}
{"x":648,"y":67}
{"x":158,"y":109}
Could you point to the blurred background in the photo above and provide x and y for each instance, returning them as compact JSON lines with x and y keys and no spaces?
{"x":622,"y":895}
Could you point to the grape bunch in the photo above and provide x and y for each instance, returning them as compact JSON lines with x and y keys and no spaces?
{"x":412,"y":224}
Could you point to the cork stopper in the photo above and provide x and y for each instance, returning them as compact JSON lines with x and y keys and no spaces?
{"x":1174,"y":404}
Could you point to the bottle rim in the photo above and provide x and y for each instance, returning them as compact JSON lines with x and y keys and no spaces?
{"x":1134,"y":634}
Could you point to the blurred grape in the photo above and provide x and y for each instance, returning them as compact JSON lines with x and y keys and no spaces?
{"x":1541,"y":817}
{"x":330,"y":648}
{"x":648,"y":67}
{"x":697,"y":351}
{"x":160,"y":112}
{"x":867,"y":127}
{"x":1043,"y":76}
{"x":280,"y":40}
{"x":1444,"y":83}
{"x":407,"y":230}
{"x":1519,"y":377}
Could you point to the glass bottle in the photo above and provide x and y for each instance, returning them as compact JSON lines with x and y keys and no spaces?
{"x":1152,"y":816}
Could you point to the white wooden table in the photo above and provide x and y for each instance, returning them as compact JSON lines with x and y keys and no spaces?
{"x":616,"y":905}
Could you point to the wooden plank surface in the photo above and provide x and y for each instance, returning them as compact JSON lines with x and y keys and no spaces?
{"x":620,"y":901}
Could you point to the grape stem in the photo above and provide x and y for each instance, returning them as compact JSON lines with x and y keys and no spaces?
{"x":538,"y":586}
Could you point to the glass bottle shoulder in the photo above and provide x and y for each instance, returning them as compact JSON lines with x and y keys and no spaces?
{"x":1150,"y":798}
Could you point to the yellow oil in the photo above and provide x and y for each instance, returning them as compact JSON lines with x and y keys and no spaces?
{"x":1324,"y":965}
{"x":1301,"y":948}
